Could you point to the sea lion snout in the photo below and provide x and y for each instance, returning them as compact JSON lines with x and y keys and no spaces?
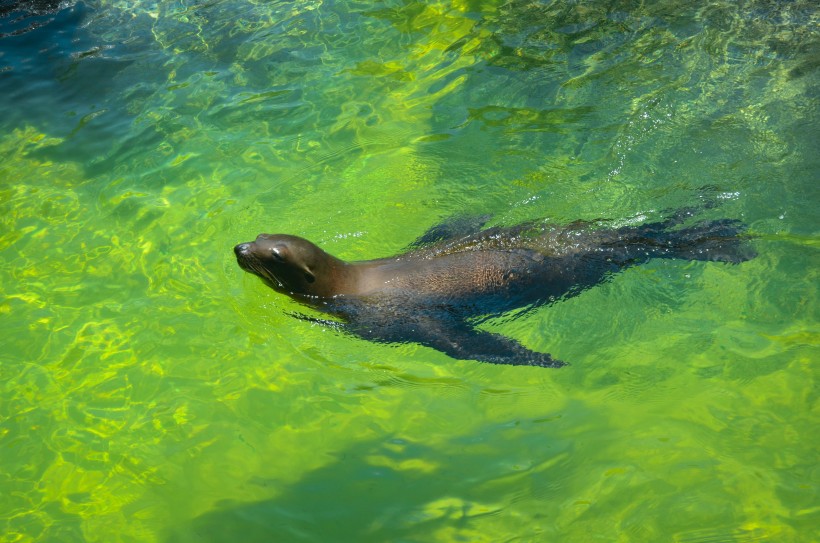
{"x":243,"y":249}
{"x":245,"y":255}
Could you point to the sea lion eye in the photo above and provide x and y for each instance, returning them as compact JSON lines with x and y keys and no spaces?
{"x":277,"y":254}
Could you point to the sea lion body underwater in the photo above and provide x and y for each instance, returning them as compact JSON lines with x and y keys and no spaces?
{"x":457,"y":275}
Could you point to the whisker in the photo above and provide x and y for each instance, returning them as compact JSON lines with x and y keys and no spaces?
{"x":267,"y":274}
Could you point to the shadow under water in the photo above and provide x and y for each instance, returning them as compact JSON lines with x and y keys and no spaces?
{"x":386,"y":490}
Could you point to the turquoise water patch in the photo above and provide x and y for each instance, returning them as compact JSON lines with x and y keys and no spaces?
{"x":153,"y":391}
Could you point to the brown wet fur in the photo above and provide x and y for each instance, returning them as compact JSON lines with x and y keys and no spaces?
{"x":432,"y":293}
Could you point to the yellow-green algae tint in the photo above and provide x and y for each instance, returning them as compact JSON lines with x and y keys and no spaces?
{"x":153,"y":392}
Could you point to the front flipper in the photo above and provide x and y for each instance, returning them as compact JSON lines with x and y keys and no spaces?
{"x":340,"y":326}
{"x":452,"y":228}
{"x":454,"y":337}
{"x":466,"y":343}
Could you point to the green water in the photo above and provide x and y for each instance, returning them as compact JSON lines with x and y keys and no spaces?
{"x":153,"y":392}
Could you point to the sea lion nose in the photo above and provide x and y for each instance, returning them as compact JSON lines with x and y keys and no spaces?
{"x":242,"y":249}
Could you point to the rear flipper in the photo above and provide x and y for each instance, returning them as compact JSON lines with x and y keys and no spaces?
{"x":716,"y":241}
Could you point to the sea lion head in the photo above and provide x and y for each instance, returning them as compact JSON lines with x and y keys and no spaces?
{"x":290,"y":264}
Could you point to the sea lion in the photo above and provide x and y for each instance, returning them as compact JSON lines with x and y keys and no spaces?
{"x":459,"y":274}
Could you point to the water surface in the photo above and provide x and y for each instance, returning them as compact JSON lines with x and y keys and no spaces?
{"x":153,"y":392}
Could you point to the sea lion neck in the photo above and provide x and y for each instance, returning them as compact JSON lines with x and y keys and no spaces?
{"x":339,"y":278}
